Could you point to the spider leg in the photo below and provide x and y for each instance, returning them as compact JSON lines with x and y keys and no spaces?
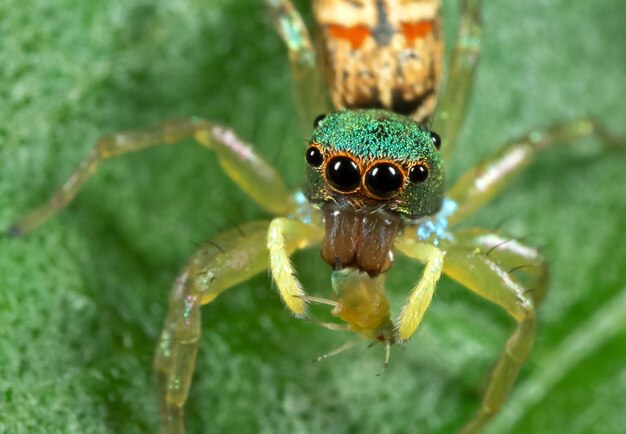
{"x":487,"y":277}
{"x":281,"y":268}
{"x":484,"y":181}
{"x":511,"y":254}
{"x":280,"y":231}
{"x":256,"y":177}
{"x":451,"y":110}
{"x":209,"y":272}
{"x":308,"y":84}
{"x":422,"y":293}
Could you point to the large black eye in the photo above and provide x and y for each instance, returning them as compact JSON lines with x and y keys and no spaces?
{"x":343,"y":173}
{"x":434,"y":137}
{"x":384,"y":179}
{"x":418,"y":173}
{"x":314,"y":156}
{"x":317,"y":120}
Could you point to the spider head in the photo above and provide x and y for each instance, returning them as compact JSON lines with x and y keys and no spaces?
{"x":375,"y":160}
{"x":370,"y":171}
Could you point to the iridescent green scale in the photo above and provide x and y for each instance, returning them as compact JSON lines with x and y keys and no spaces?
{"x":373,"y":136}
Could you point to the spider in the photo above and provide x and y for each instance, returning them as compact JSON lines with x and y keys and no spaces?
{"x":421,"y":233}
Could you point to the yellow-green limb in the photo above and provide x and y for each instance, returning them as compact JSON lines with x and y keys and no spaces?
{"x":421,"y":295}
{"x":238,"y":159}
{"x":588,"y":337}
{"x":231,"y":258}
{"x":465,"y":53}
{"x":527,"y":263}
{"x":308,"y":85}
{"x":281,"y":233}
{"x":487,"y":277}
{"x":484,"y":181}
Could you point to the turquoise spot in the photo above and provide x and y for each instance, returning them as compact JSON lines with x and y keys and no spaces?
{"x":435,"y":227}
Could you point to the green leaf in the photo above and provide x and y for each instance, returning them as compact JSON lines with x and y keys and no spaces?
{"x":83,"y":298}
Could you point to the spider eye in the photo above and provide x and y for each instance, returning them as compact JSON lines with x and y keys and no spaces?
{"x":434,"y":137}
{"x":343,"y":173}
{"x":318,"y":119}
{"x":314,"y":156}
{"x":384,"y":180}
{"x":418,"y":173}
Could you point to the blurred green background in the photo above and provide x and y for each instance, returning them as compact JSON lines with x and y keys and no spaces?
{"x":82,"y":299}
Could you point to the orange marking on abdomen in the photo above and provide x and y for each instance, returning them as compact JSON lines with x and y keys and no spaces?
{"x":355,"y":35}
{"x":413,"y":31}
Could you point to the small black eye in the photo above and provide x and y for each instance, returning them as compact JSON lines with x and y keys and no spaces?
{"x":418,"y":173}
{"x":343,"y":173}
{"x":384,"y":179}
{"x":314,"y":156}
{"x":317,"y":120}
{"x":434,"y":137}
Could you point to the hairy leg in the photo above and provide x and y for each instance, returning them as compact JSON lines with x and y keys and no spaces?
{"x":481,"y":183}
{"x":422,"y":293}
{"x":256,"y":177}
{"x":452,"y":107}
{"x":308,"y":84}
{"x":281,"y":268}
{"x":484,"y":275}
{"x":231,"y":258}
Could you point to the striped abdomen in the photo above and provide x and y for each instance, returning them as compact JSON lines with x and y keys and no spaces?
{"x":381,"y":53}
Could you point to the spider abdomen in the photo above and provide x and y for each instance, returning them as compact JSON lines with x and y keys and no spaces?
{"x":381,"y":54}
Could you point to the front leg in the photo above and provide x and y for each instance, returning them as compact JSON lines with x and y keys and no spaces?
{"x":240,"y":162}
{"x":487,"y":277}
{"x":230,"y":259}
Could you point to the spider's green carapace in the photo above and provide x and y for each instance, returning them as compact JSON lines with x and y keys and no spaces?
{"x":397,"y":161}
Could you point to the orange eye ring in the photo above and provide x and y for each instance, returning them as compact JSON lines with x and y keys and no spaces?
{"x":384,"y":179}
{"x":343,"y":173}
